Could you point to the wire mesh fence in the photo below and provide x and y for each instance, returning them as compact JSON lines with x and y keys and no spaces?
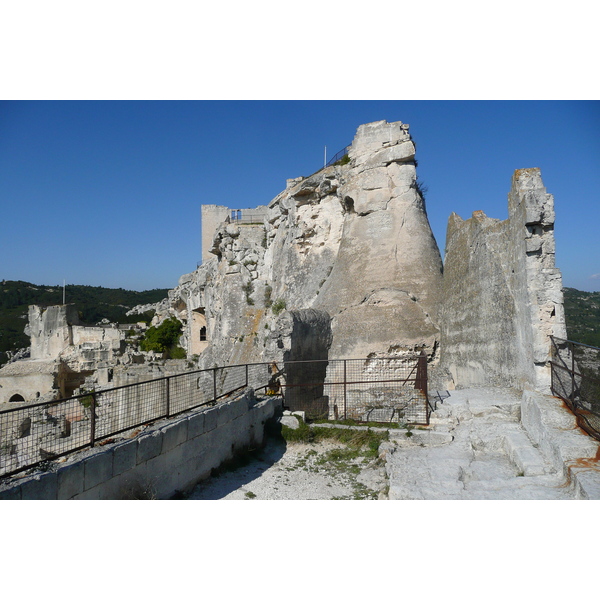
{"x":390,"y":389}
{"x":575,"y":372}
{"x":338,"y":155}
{"x":30,"y":435}
{"x":381,"y":389}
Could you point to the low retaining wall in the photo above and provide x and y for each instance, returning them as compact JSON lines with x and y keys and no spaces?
{"x":170,"y":456}
{"x":552,"y":427}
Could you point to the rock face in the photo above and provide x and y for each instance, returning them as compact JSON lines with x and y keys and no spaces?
{"x":351,"y":241}
{"x":384,"y":290}
{"x":502,"y":292}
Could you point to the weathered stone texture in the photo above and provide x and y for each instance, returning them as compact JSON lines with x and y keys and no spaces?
{"x":352,"y":241}
{"x":502,"y":292}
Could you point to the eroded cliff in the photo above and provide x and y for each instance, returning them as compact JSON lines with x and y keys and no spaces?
{"x":351,"y":241}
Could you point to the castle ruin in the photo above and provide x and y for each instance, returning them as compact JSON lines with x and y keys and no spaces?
{"x":353,"y":244}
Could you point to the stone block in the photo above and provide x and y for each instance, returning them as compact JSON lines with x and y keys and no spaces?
{"x":94,"y":493}
{"x":149,"y":446}
{"x":587,"y":483}
{"x":290,"y":421}
{"x":11,"y":493}
{"x":195,"y":447}
{"x":210,"y":418}
{"x":523,"y":455}
{"x":229,"y":411}
{"x":97,"y":469}
{"x":166,"y":473}
{"x":174,"y":434}
{"x":40,"y":487}
{"x":195,"y":425}
{"x":70,"y":480}
{"x":124,"y":457}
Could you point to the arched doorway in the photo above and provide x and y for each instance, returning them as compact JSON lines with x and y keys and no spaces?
{"x":17,"y":398}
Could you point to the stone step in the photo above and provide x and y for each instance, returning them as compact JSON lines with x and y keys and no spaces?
{"x":524,"y":456}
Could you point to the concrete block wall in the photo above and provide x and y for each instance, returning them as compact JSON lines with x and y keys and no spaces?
{"x":168,"y":457}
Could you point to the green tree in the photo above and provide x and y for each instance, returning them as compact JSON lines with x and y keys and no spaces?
{"x":164,"y":338}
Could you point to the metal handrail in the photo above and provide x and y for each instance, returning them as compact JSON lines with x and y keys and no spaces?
{"x":339,"y":155}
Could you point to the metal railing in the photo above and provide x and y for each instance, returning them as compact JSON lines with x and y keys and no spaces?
{"x":575,"y":372}
{"x":32,"y":434}
{"x":382,"y":389}
{"x":338,"y":156}
{"x":241,"y":217}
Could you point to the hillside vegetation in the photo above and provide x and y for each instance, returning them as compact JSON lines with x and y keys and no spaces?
{"x":93,"y":304}
{"x":582,"y":314}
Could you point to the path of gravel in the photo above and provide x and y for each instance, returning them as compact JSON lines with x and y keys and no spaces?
{"x":293,"y":471}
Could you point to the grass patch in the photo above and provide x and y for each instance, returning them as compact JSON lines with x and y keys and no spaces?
{"x":367,"y":439}
{"x":354,"y":423}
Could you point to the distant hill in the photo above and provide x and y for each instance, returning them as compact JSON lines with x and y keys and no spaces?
{"x":93,"y":304}
{"x":582,"y":314}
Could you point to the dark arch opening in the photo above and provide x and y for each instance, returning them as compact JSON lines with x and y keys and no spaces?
{"x":17,"y":398}
{"x":202,"y":334}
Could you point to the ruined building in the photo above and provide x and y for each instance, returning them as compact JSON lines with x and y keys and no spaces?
{"x":343,"y":264}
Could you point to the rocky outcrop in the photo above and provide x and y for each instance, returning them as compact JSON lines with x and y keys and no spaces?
{"x":352,"y":241}
{"x":384,"y":290}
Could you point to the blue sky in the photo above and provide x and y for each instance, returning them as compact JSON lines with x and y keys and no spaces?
{"x":109,"y":192}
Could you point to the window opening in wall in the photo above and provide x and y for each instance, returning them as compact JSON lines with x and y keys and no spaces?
{"x":202,"y":334}
{"x":17,"y":398}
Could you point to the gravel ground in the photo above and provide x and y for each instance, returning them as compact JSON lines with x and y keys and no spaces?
{"x":297,"y":471}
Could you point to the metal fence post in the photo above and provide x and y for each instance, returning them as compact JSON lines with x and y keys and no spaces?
{"x":168,"y":380}
{"x":93,"y":420}
{"x":345,"y":394}
{"x":422,"y":377}
{"x":215,"y":384}
{"x":246,"y":375}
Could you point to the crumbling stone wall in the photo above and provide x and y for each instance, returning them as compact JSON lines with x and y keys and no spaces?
{"x":502,"y":294}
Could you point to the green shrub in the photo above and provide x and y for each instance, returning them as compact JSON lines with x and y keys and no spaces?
{"x":278,"y":306}
{"x":248,"y":289}
{"x":343,"y":161}
{"x":86,"y":401}
{"x":164,"y":338}
{"x":176,"y":352}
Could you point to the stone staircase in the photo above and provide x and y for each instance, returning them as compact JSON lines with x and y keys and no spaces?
{"x":478,"y":446}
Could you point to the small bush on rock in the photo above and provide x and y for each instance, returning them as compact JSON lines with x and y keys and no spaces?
{"x":278,"y":306}
{"x":164,"y":338}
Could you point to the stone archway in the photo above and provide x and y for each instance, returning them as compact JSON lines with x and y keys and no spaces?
{"x":17,"y":398}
